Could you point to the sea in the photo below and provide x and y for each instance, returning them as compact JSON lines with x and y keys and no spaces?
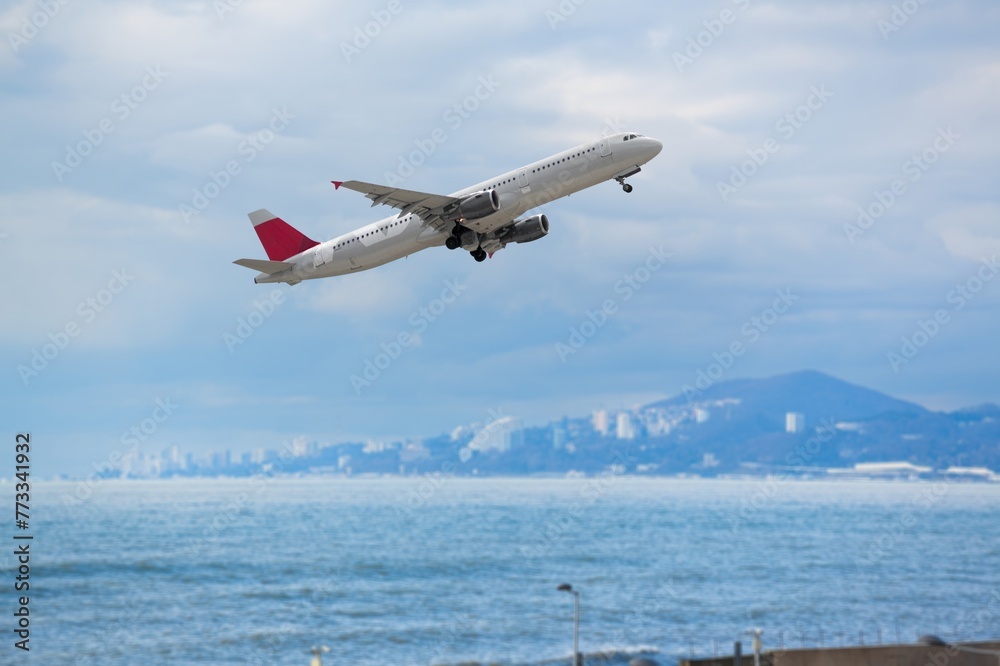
{"x":457,"y":571}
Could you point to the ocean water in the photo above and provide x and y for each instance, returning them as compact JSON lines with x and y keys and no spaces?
{"x":456,"y":571}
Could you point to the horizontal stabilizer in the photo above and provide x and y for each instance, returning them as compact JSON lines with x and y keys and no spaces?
{"x":264,"y":266}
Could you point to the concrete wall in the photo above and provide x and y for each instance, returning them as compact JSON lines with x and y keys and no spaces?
{"x":887,"y":655}
{"x":871,"y":655}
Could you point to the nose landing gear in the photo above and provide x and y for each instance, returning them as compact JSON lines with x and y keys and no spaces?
{"x":625,"y":186}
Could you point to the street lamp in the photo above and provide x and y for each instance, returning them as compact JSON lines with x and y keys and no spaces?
{"x":757,"y":644}
{"x":317,"y":653}
{"x":577,"y":657}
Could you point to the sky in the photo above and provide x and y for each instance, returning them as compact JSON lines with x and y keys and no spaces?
{"x":826,"y":199}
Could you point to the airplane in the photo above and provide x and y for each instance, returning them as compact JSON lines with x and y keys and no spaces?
{"x":481,"y":219}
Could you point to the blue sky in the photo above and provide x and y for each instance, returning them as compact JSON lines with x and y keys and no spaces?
{"x":779,"y":121}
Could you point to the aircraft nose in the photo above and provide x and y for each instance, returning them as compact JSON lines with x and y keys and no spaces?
{"x":656,"y":147}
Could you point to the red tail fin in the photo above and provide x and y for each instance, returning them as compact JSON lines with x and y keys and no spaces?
{"x":280,"y":239}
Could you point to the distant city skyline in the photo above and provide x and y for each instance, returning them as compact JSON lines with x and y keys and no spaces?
{"x":705,"y":428}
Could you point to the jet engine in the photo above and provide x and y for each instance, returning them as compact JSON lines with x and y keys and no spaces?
{"x":525,"y":231}
{"x":479,"y":204}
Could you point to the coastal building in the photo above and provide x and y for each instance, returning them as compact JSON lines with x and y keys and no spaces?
{"x":558,"y":437}
{"x":503,"y":434}
{"x":795,"y":423}
{"x":600,"y":420}
{"x":900,"y":469}
{"x":625,"y":428}
{"x":973,"y":473}
{"x":300,"y":447}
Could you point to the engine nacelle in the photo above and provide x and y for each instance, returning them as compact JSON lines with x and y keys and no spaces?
{"x":525,"y":231}
{"x":479,"y":204}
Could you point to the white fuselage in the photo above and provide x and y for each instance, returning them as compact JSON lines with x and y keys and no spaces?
{"x":519,"y":191}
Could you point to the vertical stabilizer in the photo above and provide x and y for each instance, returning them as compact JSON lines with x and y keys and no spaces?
{"x":280,"y":239}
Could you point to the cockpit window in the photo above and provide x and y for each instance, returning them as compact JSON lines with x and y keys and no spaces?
{"x":631,"y":136}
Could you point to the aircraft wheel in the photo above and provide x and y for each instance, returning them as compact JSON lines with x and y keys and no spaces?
{"x":627,"y":187}
{"x":452,"y":242}
{"x":479,"y":255}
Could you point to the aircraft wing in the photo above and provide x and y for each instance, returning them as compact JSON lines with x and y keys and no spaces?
{"x":428,"y":207}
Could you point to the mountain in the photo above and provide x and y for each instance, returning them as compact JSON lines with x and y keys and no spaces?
{"x":806,"y":392}
{"x":709,"y":428}
{"x":744,"y":421}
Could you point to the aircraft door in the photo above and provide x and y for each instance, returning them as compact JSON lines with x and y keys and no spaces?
{"x":605,"y":147}
{"x":522,"y":181}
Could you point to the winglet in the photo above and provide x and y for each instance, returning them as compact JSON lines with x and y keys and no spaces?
{"x":337,"y":184}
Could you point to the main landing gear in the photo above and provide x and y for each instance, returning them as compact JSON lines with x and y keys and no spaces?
{"x":454,"y":241}
{"x":625,"y":186}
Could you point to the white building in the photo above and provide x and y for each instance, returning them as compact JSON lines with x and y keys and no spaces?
{"x":375,"y":446}
{"x":601,"y":422}
{"x":886,"y":469}
{"x":981,"y":473}
{"x":625,"y":429}
{"x":499,"y":435}
{"x":300,"y":447}
{"x":795,"y":423}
